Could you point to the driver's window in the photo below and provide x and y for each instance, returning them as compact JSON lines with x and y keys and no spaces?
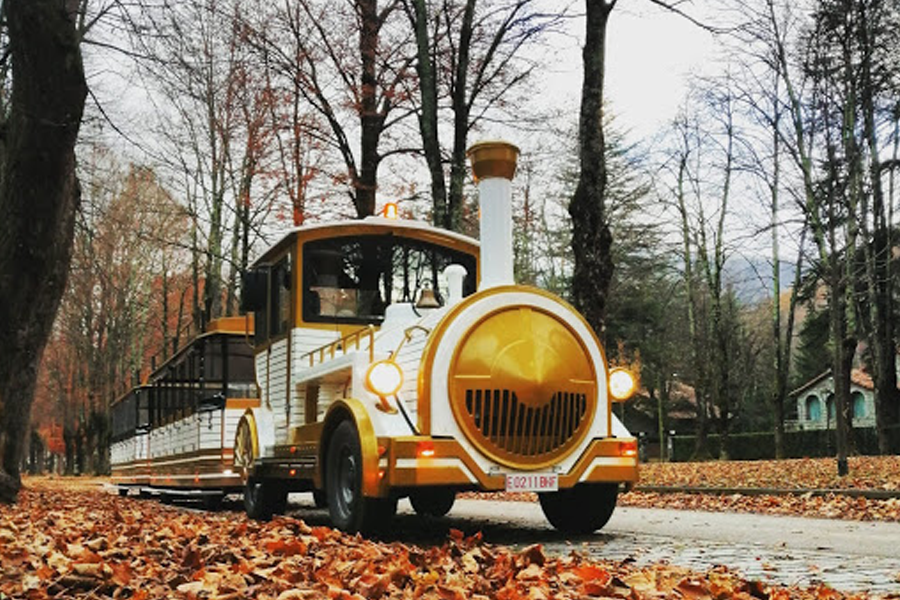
{"x":353,"y":279}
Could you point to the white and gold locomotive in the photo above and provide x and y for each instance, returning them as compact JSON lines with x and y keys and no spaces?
{"x":396,"y":359}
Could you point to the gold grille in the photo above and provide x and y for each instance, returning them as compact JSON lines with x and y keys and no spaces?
{"x":524,"y":431}
{"x":523,"y":387}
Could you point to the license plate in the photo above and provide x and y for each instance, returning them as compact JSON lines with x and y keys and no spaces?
{"x":532,"y":482}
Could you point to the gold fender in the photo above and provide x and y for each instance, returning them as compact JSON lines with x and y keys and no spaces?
{"x":368,"y":443}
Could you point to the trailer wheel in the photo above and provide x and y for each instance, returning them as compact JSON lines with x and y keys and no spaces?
{"x":262,"y":499}
{"x":432,"y":502}
{"x":351,"y":511}
{"x":244,"y":454}
{"x":584,"y":508}
{"x":213,"y":502}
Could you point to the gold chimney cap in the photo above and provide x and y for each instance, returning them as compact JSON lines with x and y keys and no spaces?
{"x":493,"y":159}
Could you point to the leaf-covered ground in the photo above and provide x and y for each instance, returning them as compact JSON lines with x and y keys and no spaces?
{"x":866,"y":472}
{"x":64,"y":541}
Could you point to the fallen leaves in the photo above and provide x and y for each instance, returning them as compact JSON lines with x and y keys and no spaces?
{"x":64,"y":543}
{"x":865,"y":472}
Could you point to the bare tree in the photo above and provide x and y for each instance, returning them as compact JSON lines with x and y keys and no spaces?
{"x":877,"y":38}
{"x":761,"y":41}
{"x":470,"y":56}
{"x":349,"y":63}
{"x":591,"y":237}
{"x":39,"y":194}
{"x":215,"y":108}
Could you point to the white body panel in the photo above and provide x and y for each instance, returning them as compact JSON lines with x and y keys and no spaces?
{"x":343,"y":376}
{"x":211,"y":432}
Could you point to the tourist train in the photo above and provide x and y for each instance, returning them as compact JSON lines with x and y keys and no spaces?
{"x":386,"y":358}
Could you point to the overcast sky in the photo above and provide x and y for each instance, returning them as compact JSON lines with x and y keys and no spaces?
{"x":649,"y":54}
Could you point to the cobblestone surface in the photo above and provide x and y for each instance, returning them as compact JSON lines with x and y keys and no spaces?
{"x":755,"y":561}
{"x":846,"y":555}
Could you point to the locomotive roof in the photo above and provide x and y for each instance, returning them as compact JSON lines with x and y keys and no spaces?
{"x":368,"y":225}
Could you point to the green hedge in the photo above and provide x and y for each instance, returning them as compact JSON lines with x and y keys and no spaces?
{"x":798,"y":444}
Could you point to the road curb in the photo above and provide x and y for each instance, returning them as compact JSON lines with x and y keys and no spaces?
{"x":731,"y":491}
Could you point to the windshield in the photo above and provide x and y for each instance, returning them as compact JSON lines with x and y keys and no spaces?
{"x":353,"y":279}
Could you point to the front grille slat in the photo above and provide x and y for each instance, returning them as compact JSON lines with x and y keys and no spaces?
{"x":558,"y":436}
{"x":508,"y":412}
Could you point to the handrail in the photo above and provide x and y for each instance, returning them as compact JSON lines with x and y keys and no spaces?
{"x":341,"y":346}
{"x":408,"y":335}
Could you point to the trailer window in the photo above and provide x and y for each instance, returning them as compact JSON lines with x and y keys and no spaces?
{"x":353,"y":279}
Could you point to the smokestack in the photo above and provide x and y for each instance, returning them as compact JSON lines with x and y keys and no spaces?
{"x":493,"y":166}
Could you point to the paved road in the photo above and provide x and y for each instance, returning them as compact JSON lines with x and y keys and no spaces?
{"x":847,"y":555}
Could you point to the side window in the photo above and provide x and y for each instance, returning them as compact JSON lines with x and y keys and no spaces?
{"x":280,"y":298}
{"x":341,"y":280}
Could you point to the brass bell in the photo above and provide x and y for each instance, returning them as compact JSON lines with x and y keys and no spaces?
{"x":427,"y":299}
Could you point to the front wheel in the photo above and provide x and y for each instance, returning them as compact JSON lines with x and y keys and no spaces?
{"x":584,"y":508}
{"x":350,"y":510}
{"x":432,"y":502}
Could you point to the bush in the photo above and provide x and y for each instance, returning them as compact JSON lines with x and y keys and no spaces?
{"x":819,"y":443}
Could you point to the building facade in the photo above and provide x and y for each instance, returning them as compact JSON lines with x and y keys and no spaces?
{"x":815,"y":403}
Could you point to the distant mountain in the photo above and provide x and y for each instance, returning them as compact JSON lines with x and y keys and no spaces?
{"x":751,"y":277}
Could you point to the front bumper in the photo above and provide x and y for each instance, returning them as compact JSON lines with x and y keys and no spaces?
{"x":418,"y":461}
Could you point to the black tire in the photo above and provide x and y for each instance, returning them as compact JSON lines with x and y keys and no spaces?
{"x":123,"y":492}
{"x":262,"y":499}
{"x":432,"y":502}
{"x":213,"y":502}
{"x":320,"y":498}
{"x":584,"y":508}
{"x":351,"y":511}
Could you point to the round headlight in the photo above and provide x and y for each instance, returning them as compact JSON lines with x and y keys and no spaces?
{"x":621,"y":384}
{"x":384,"y":378}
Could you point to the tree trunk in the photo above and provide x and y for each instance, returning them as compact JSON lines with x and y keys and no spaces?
{"x":591,"y":237}
{"x":879,"y":255}
{"x":461,"y":108}
{"x":428,"y":112}
{"x":840,"y":367}
{"x":371,"y":121}
{"x":39,"y":195}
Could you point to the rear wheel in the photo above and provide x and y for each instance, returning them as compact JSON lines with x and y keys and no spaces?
{"x":350,"y":510}
{"x":432,"y":502}
{"x":262,"y":499}
{"x":244,"y":454}
{"x":584,"y":508}
{"x":213,"y":502}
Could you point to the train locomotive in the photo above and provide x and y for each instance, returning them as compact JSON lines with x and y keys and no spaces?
{"x":395,"y":359}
